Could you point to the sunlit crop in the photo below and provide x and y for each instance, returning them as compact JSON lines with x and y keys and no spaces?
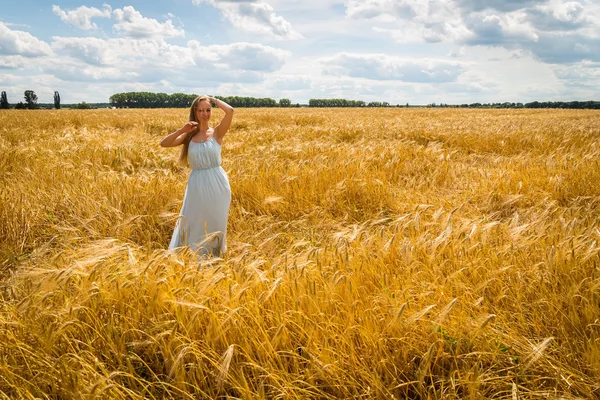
{"x":405,"y":253}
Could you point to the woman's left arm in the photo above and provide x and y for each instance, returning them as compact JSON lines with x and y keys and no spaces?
{"x":223,"y":127}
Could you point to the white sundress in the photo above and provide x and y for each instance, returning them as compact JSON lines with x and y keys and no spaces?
{"x":203,"y":218}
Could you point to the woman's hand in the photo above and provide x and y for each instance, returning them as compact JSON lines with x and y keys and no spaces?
{"x":176,"y":138}
{"x":189,"y":127}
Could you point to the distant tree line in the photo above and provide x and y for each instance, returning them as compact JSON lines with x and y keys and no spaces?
{"x":565,"y":104}
{"x":151,"y":100}
{"x":239,"y":101}
{"x":335,"y":103}
{"x":182,"y":100}
{"x":346,"y":103}
{"x":535,"y":104}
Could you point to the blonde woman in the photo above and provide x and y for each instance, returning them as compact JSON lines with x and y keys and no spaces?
{"x":203,"y":218}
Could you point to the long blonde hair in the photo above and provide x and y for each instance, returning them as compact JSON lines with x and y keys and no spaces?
{"x":183,"y":156}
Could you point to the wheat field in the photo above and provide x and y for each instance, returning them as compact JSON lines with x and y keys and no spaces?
{"x":372,"y":254}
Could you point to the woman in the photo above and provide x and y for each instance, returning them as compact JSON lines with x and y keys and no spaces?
{"x":203,"y":219}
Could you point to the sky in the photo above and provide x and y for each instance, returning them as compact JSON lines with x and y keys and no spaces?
{"x":399,"y":51}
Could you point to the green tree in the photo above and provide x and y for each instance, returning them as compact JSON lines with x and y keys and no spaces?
{"x":4,"y":101}
{"x":83,"y":106}
{"x":56,"y":100}
{"x":31,"y":99}
{"x":285,"y":103}
{"x":337,"y":103}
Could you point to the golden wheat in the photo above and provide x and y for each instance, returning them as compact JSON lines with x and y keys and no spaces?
{"x":406,"y":253}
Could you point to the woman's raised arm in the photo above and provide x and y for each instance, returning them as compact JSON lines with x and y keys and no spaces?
{"x":177,"y":138}
{"x":223,"y":127}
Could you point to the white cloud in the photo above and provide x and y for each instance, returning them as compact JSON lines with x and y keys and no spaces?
{"x":8,"y":79}
{"x":148,"y":61}
{"x":458,"y":53}
{"x":290,"y":82}
{"x":503,"y":75}
{"x":254,"y":16}
{"x":140,"y":54}
{"x":129,"y":22}
{"x":22,"y":43}
{"x":410,"y":21}
{"x":17,"y":25}
{"x":442,"y":21}
{"x":79,"y":72}
{"x":509,"y":29}
{"x":124,"y":59}
{"x":240,"y":56}
{"x":82,"y":17}
{"x":571,"y":12}
{"x":566,"y":16}
{"x":14,"y":62}
{"x":556,"y":31}
{"x":386,"y":10}
{"x":89,"y":49}
{"x":384,"y":67}
{"x":469,"y":6}
{"x":132,"y":24}
{"x":583,"y":75}
{"x":557,"y":48}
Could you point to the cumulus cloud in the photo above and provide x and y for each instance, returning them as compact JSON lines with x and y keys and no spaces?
{"x":151,"y":60}
{"x":470,"y":22}
{"x":13,"y":42}
{"x":567,"y":16}
{"x":457,"y":53}
{"x":123,"y":60}
{"x":82,"y":17}
{"x":557,"y":49}
{"x":382,"y":9}
{"x":384,"y":67}
{"x":128,"y":21}
{"x":7,"y":79}
{"x":92,"y":50}
{"x":146,"y":53}
{"x":75,"y":70}
{"x":500,"y":5}
{"x":254,"y":16}
{"x":87,"y":73}
{"x":13,"y":62}
{"x":555,"y":31}
{"x":240,"y":56}
{"x":412,"y":20}
{"x":131,"y":23}
{"x":583,"y":75}
{"x":505,"y":29}
{"x":125,"y":53}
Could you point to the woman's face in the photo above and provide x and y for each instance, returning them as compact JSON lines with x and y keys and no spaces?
{"x":203,"y":110}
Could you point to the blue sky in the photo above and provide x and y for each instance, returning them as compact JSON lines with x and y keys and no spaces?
{"x":400,"y":51}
